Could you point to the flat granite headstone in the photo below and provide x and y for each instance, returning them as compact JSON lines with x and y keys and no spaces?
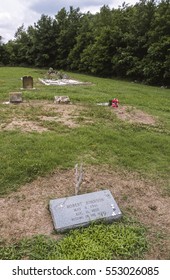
{"x":80,"y":210}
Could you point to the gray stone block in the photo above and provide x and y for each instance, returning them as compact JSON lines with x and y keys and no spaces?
{"x":80,"y":210}
{"x":15,"y":97}
{"x":61,"y":99}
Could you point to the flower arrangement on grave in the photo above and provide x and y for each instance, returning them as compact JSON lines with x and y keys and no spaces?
{"x":115,"y":102}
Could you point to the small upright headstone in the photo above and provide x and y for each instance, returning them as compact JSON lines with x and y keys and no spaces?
{"x":15,"y":97}
{"x":27,"y":82}
{"x":81,"y":210}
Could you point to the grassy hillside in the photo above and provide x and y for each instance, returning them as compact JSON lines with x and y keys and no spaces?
{"x":97,"y":137}
{"x":106,"y":139}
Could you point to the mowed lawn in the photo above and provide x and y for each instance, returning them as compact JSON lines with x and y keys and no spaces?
{"x":133,"y":140}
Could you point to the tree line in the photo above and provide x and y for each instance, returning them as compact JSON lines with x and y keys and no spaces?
{"x":131,"y":42}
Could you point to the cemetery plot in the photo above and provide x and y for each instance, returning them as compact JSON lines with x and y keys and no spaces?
{"x":61,"y":82}
{"x":44,"y":112}
{"x":133,"y":115}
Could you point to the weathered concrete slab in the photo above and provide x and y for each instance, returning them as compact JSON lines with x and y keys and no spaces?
{"x":81,"y":210}
{"x":62,"y":82}
{"x":61,"y":100}
{"x":15,"y":97}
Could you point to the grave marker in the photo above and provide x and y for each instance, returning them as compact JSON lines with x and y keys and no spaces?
{"x":81,"y":210}
{"x":61,"y":100}
{"x":27,"y":82}
{"x":15,"y":97}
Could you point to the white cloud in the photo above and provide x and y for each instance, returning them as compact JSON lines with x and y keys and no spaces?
{"x":14,"y":13}
{"x":52,"y":7}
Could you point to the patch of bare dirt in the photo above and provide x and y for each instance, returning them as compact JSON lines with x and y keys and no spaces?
{"x":23,"y":125}
{"x":66,"y":114}
{"x":25,"y":212}
{"x":133,"y":115}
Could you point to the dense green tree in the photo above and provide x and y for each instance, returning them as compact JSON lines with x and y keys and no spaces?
{"x":157,"y":59}
{"x":83,"y":39}
{"x":129,"y":42}
{"x":21,"y":46}
{"x":42,"y":41}
{"x":102,"y":47}
{"x":67,"y":24}
{"x":2,"y":52}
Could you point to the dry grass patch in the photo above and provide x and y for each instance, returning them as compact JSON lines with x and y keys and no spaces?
{"x":67,"y":114}
{"x":21,"y":115}
{"x":23,"y":125}
{"x":133,"y":115}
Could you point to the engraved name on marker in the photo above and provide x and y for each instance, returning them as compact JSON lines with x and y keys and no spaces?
{"x":80,"y":210}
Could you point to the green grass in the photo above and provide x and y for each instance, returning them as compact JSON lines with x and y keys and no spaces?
{"x":27,"y":155}
{"x":97,"y":242}
{"x":106,"y":140}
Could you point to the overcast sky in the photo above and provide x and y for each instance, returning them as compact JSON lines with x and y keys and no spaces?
{"x":14,"y":13}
